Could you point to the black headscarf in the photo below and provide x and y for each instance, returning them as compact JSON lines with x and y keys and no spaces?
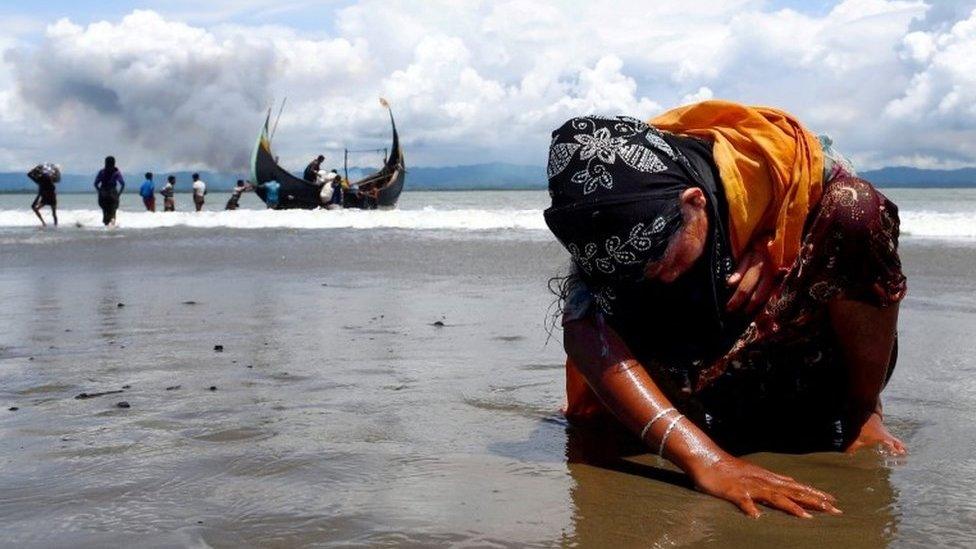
{"x":615,"y":184}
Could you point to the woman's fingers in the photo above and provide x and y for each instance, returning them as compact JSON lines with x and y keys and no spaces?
{"x":783,"y":503}
{"x":740,"y":270}
{"x":811,"y":492}
{"x":764,"y":289}
{"x":813,"y":502}
{"x":746,"y":287}
{"x":748,"y":506}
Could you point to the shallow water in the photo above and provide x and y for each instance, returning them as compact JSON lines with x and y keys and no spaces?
{"x":925,"y":213}
{"x":343,"y":416}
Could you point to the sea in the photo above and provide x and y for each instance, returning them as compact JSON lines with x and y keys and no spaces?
{"x":259,"y":378}
{"x":925,"y":213}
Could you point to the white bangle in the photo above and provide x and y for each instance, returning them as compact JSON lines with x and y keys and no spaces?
{"x":667,"y":433}
{"x":647,"y":426}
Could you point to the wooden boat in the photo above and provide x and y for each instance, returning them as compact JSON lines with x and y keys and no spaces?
{"x":380,"y":189}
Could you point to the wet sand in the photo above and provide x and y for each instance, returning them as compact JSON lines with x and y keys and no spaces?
{"x":342,"y":415}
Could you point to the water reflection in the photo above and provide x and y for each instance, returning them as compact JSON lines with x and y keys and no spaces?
{"x":621,"y":497}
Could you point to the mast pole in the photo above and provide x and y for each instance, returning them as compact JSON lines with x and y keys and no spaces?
{"x":345,"y":163}
{"x":281,"y":110}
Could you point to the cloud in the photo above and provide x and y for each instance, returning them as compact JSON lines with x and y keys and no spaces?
{"x":152,"y":86}
{"x":488,"y":80}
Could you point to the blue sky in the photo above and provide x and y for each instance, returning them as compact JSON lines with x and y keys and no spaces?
{"x":305,"y":15}
{"x":184,"y":84}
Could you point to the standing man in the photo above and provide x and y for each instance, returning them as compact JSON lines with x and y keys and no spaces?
{"x":109,"y":184}
{"x":199,"y":191}
{"x":169,"y":203}
{"x":312,"y":170}
{"x":46,"y":176}
{"x":148,"y":192}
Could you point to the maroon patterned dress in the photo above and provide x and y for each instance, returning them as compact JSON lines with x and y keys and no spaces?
{"x":781,"y":386}
{"x":782,"y":383}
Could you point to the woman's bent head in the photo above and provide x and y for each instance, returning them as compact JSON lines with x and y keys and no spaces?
{"x":625,"y":202}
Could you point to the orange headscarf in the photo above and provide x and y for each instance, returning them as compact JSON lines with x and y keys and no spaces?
{"x":771,"y":169}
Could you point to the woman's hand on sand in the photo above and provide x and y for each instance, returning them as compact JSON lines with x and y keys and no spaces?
{"x":754,"y":280}
{"x":748,"y":485}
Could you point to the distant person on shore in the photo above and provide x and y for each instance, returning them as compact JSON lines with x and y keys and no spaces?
{"x":235,"y":196}
{"x":148,"y":192}
{"x":169,"y":203}
{"x":199,"y":191}
{"x":271,"y":189}
{"x":110,"y":185}
{"x":46,"y":176}
{"x":312,"y":170}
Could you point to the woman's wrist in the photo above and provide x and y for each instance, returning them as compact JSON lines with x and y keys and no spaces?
{"x":689,"y":448}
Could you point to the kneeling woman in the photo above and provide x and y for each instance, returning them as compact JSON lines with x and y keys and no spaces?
{"x":735,"y":288}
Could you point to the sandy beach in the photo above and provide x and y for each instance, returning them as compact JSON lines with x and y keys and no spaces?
{"x":340,"y":413}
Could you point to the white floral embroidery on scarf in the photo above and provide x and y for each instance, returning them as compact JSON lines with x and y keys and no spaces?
{"x":619,"y":251}
{"x":601,"y":148}
{"x":560,"y":155}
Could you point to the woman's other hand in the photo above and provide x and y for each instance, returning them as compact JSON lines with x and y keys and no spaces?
{"x":874,"y":434}
{"x":747,"y":485}
{"x":754,"y":280}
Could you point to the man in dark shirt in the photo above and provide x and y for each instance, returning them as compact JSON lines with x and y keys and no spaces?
{"x":312,"y":170}
{"x":46,"y":176}
{"x":109,"y":183}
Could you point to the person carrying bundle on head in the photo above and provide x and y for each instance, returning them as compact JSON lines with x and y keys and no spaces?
{"x":46,"y":176}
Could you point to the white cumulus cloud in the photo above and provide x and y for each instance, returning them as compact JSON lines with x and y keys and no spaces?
{"x":892,"y":80}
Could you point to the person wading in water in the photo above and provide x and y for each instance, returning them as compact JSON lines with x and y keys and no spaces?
{"x":46,"y":176}
{"x":234,"y":201}
{"x":735,"y":288}
{"x":148,"y":193}
{"x":110,"y":185}
{"x":167,"y":192}
{"x":199,"y":192}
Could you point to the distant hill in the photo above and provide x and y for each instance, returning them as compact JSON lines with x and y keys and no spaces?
{"x":492,"y":176}
{"x":916,"y":177}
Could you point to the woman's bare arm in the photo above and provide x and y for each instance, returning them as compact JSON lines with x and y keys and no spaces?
{"x":625,"y":387}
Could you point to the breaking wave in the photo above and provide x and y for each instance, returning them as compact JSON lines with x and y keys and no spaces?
{"x":923,"y":224}
{"x":422,"y":219}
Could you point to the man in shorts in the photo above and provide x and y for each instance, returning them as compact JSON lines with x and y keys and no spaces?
{"x":199,"y":191}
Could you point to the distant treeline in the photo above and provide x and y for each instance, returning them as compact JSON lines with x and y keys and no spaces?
{"x":493,"y":176}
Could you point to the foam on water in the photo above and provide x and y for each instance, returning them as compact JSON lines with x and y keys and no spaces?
{"x":929,"y":224}
{"x":422,"y":219}
{"x":925,"y":224}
